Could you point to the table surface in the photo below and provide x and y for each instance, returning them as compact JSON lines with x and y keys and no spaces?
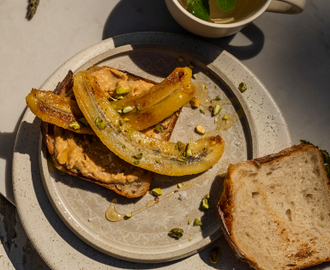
{"x":290,"y":54}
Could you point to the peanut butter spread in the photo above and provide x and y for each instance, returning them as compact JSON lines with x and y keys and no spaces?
{"x":87,"y":155}
{"x":109,"y":79}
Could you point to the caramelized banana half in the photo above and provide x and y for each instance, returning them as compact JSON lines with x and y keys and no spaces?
{"x":161,"y":101}
{"x":58,"y":110}
{"x":149,"y":108}
{"x":174,"y":159}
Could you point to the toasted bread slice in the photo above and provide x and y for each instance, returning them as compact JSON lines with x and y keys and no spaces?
{"x":275,"y":210}
{"x":84,"y":156}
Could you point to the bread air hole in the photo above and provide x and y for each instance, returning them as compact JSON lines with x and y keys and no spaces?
{"x":291,"y":265}
{"x":289,"y":214}
{"x":309,"y":197}
{"x":255,"y":194}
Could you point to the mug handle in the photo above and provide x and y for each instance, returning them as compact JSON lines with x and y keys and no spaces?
{"x":287,"y":6}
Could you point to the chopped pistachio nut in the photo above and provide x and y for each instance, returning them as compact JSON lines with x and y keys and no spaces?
{"x":83,"y":121}
{"x":242,"y":87}
{"x":119,"y":97}
{"x":189,"y":221}
{"x":74,"y":125}
{"x":120,"y":111}
{"x":225,"y":117}
{"x":181,"y":159}
{"x":100,"y":123}
{"x":159,"y":128}
{"x":119,"y":130}
{"x":206,"y":86}
{"x":124,"y":146}
{"x":216,"y":110}
{"x":130,"y":130}
{"x":200,"y":130}
{"x":205,"y":202}
{"x":194,"y":75}
{"x":121,"y":122}
{"x":190,"y":239}
{"x":136,"y":162}
{"x":215,"y":120}
{"x":114,"y":106}
{"x":179,"y":146}
{"x":194,"y":102}
{"x":191,"y":65}
{"x":214,"y":255}
{"x":127,"y":109}
{"x":176,"y":233}
{"x":156,"y":192}
{"x":202,"y":110}
{"x":187,"y":151}
{"x":126,"y":119}
{"x":218,"y":98}
{"x":180,"y":59}
{"x":137,"y":156}
{"x":197,"y":222}
{"x":128,"y":215}
{"x":122,"y":90}
{"x":157,"y":160}
{"x":179,"y":185}
{"x":138,"y":108}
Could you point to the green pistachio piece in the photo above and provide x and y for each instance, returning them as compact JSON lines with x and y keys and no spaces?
{"x":122,"y":90}
{"x":127,"y":109}
{"x":200,"y":130}
{"x":242,"y":87}
{"x":187,"y":151}
{"x":138,"y":108}
{"x":74,"y":125}
{"x":205,"y":202}
{"x":216,"y":110}
{"x":197,"y":222}
{"x":156,"y":191}
{"x":176,"y":233}
{"x":117,"y":97}
{"x":100,"y":123}
{"x":128,"y":215}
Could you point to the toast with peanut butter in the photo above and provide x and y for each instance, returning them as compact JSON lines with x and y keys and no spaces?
{"x":85,"y":156}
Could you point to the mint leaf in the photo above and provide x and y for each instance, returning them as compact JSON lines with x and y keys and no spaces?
{"x":226,"y":5}
{"x":199,"y":8}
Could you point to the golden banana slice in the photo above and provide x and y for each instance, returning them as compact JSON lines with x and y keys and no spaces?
{"x":135,"y":147}
{"x":58,"y":110}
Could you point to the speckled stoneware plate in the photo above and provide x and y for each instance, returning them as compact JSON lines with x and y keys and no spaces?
{"x":259,"y":130}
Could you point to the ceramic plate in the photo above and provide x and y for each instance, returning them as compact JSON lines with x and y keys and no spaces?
{"x":261,"y":129}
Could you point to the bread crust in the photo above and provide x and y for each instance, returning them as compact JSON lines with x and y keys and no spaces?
{"x":226,"y":205}
{"x":47,"y":130}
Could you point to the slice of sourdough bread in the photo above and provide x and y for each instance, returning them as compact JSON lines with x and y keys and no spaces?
{"x":275,"y":210}
{"x":84,"y":156}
